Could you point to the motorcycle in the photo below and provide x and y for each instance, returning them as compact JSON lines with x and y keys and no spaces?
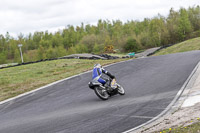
{"x":107,"y":90}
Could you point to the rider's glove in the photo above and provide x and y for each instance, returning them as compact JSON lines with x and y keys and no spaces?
{"x":112,"y":77}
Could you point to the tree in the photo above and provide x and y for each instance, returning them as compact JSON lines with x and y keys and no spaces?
{"x":185,"y":26}
{"x":56,"y":40}
{"x":41,"y":53}
{"x":194,"y":17}
{"x":81,"y":48}
{"x":31,"y":55}
{"x":11,"y":50}
{"x":172,"y":26}
{"x":2,"y":43}
{"x":89,"y":41}
{"x":45,"y":43}
{"x":7,"y":37}
{"x":131,"y":45}
{"x":37,"y":36}
{"x":50,"y":53}
{"x":98,"y":48}
{"x":71,"y":50}
{"x":60,"y":51}
{"x":157,"y":31}
{"x":17,"y":58}
{"x":2,"y":58}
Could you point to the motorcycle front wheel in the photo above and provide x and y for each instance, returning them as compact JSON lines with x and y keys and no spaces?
{"x":120,"y":89}
{"x":101,"y":93}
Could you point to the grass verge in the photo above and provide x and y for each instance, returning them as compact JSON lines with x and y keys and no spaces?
{"x":193,"y":128}
{"x":21,"y":79}
{"x":189,"y":45}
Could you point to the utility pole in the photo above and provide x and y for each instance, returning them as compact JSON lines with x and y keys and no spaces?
{"x":20,"y":45}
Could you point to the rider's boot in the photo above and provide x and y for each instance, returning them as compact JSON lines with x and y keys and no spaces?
{"x":108,"y":86}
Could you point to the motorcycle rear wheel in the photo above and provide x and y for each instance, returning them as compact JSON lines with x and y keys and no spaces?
{"x":101,"y":93}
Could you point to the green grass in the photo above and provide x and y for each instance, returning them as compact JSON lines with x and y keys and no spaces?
{"x":20,"y":79}
{"x":193,"y":128}
{"x":189,"y":45}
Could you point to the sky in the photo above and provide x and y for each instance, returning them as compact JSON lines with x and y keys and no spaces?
{"x":28,"y":16}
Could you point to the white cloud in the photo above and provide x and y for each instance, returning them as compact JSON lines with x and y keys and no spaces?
{"x":24,"y":16}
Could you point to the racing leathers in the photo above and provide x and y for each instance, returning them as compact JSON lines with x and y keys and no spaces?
{"x":97,"y":75}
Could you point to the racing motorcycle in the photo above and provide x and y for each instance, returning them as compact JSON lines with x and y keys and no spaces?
{"x":109,"y":89}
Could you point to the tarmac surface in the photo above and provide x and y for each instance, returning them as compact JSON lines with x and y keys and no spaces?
{"x":184,"y":112}
{"x":70,"y":106}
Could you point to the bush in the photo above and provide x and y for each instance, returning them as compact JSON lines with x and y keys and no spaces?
{"x":98,"y":48}
{"x":89,"y":41}
{"x":60,"y":51}
{"x":50,"y":53}
{"x":17,"y":57}
{"x":81,"y":48}
{"x":71,"y":50}
{"x":132,"y":45}
{"x":41,"y":53}
{"x":2,"y":58}
{"x":109,"y":48}
{"x":31,"y":55}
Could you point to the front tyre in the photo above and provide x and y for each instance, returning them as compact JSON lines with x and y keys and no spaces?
{"x":120,"y":89}
{"x":101,"y":93}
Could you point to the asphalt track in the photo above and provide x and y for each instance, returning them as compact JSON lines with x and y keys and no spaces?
{"x":71,"y":107}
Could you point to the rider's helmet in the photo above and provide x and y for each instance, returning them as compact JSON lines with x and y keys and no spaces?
{"x":97,"y":66}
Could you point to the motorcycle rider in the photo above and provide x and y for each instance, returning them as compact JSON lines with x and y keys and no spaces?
{"x":97,"y":75}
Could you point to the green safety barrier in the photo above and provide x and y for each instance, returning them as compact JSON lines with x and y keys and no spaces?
{"x":131,"y":54}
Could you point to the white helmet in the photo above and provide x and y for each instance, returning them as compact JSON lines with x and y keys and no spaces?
{"x":97,"y":66}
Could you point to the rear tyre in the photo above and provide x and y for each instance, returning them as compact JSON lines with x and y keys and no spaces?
{"x":101,"y":93}
{"x":120,"y":89}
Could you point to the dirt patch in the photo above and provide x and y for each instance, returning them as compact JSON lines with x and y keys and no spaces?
{"x":181,"y":118}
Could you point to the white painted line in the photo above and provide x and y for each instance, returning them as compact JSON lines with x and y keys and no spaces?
{"x":142,"y":117}
{"x":191,"y":101}
{"x":30,"y":92}
{"x":133,"y":116}
{"x":170,"y":105}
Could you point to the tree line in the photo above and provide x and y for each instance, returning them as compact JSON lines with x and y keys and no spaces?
{"x":106,"y":36}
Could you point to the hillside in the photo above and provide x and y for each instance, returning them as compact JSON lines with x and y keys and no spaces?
{"x":189,"y":45}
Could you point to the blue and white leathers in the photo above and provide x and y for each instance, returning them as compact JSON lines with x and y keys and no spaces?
{"x":97,"y":72}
